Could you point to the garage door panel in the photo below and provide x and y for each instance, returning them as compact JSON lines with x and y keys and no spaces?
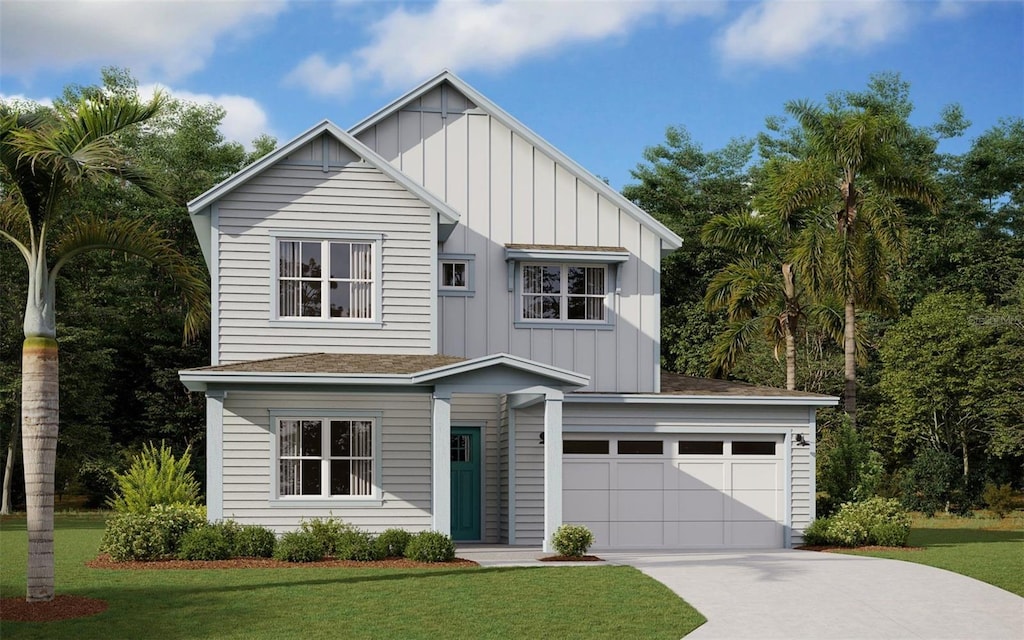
{"x":755,"y":475}
{"x":582,"y":504}
{"x":591,"y":475}
{"x":754,"y":505}
{"x":699,"y":476}
{"x":646,"y":476}
{"x":701,"y":505}
{"x":601,"y":531}
{"x":701,"y":534}
{"x":754,"y":534}
{"x":637,"y":534}
{"x":647,"y":506}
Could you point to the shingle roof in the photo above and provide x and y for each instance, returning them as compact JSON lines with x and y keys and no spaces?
{"x":340,"y":363}
{"x":679,"y":385}
{"x":565,"y":247}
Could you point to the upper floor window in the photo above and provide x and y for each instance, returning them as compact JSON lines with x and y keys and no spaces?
{"x":564,"y":292}
{"x":455,"y":275}
{"x":323,"y":279}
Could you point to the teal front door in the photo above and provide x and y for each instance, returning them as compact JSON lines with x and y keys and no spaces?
{"x":466,"y":476}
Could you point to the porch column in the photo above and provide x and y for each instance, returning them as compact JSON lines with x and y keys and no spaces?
{"x":441,"y":436}
{"x":215,"y":455}
{"x":552,"y":465}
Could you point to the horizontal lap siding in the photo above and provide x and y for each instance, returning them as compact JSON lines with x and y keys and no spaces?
{"x":301,"y":197}
{"x":511,"y":192}
{"x":405,"y":454}
{"x":474,"y":410}
{"x":529,"y":485}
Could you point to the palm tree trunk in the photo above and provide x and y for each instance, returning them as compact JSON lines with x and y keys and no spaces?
{"x":12,"y":449}
{"x":850,"y":352}
{"x":789,"y":324}
{"x":39,"y":411}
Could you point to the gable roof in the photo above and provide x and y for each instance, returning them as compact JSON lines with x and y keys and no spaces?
{"x":669,"y":237}
{"x":445,"y":211}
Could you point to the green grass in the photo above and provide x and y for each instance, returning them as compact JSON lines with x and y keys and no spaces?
{"x":987,"y":549}
{"x":546,"y":602}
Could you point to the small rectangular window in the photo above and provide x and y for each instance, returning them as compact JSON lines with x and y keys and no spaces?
{"x":641,"y":447}
{"x":588,"y":447}
{"x":700,"y":447}
{"x":454,"y":274}
{"x":753,"y":448}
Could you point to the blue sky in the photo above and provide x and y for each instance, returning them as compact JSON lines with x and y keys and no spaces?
{"x":600,"y":80}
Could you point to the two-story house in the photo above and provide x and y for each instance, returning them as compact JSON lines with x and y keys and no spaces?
{"x":437,"y":320}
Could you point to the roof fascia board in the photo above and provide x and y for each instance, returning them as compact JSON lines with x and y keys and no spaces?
{"x":668,"y":237}
{"x":601,"y":398}
{"x":444,"y":210}
{"x":562,"y":375}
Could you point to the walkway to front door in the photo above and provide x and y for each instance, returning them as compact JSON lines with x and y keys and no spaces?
{"x":466,"y":481}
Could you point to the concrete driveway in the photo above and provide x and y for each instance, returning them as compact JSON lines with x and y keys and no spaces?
{"x":803,"y":594}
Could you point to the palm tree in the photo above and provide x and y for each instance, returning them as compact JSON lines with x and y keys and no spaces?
{"x":848,"y":187}
{"x":47,"y":155}
{"x":758,"y":291}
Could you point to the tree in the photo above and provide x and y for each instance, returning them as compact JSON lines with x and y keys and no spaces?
{"x":47,"y":156}
{"x":850,"y":184}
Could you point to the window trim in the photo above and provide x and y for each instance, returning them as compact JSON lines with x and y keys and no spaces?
{"x":375,"y":240}
{"x":376,"y":496}
{"x":467,"y":291}
{"x":610,"y":286}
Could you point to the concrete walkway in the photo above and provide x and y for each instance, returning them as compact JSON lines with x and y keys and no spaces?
{"x":803,"y":594}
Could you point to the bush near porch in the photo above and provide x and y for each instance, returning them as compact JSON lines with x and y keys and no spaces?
{"x":272,"y":603}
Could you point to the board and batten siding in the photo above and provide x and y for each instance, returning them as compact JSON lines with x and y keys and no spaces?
{"x":509,"y":191}
{"x":480,"y":410}
{"x":404,"y":472}
{"x":350,"y":196}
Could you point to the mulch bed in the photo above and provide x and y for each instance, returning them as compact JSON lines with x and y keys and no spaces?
{"x":571,"y":559}
{"x":870,"y":548}
{"x":104,"y":562}
{"x":60,"y":608}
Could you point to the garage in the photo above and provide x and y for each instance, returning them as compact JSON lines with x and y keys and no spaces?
{"x":676,"y":491}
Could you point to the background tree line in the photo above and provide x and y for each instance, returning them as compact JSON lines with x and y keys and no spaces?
{"x":935,"y":279}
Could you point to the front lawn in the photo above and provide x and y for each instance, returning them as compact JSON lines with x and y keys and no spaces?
{"x":987,"y":549}
{"x":592,"y":602}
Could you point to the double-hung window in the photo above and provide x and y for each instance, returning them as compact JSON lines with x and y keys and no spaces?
{"x":327,"y":279}
{"x":326,"y":457}
{"x":564,"y":292}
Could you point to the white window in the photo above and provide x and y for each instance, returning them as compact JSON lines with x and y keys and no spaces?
{"x":564,"y":292}
{"x":323,"y":279}
{"x":454,"y":274}
{"x":325,"y":457}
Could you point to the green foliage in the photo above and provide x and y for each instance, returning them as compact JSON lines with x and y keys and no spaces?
{"x":816,"y":534}
{"x":847,"y":468}
{"x":156,"y":477}
{"x":205,"y":543}
{"x":353,"y":544}
{"x":999,"y":499}
{"x":858,"y":523}
{"x":931,"y":482}
{"x":392,"y":543}
{"x":299,"y":546}
{"x":572,"y":540}
{"x":150,"y":535}
{"x":176,"y":520}
{"x":431,"y":546}
{"x":253,"y":541}
{"x":327,"y":531}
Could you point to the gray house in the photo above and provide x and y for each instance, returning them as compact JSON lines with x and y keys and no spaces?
{"x":437,"y":320}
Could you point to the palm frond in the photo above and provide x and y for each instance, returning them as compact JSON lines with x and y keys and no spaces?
{"x":742,"y":232}
{"x":136,"y":238}
{"x":732,"y":343}
{"x":15,"y":224}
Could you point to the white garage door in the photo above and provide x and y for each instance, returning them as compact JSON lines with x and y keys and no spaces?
{"x":676,"y":492}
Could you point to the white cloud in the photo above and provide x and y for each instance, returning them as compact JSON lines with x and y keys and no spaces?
{"x":781,"y":32}
{"x":17,"y":97}
{"x":409,"y":44}
{"x":244,"y":118}
{"x":174,"y":38}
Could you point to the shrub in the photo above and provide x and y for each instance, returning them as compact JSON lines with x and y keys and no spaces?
{"x":353,"y":544}
{"x":999,"y":499}
{"x":253,"y":541}
{"x":176,"y":520}
{"x":327,"y":531}
{"x":299,"y":546}
{"x":890,"y":534}
{"x":856,"y":523}
{"x":134,"y":536}
{"x":930,"y":483}
{"x":155,"y":477}
{"x":572,"y":540}
{"x":392,"y":543}
{"x":205,"y":543}
{"x":847,"y":470}
{"x":816,"y":534}
{"x":430,"y":546}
